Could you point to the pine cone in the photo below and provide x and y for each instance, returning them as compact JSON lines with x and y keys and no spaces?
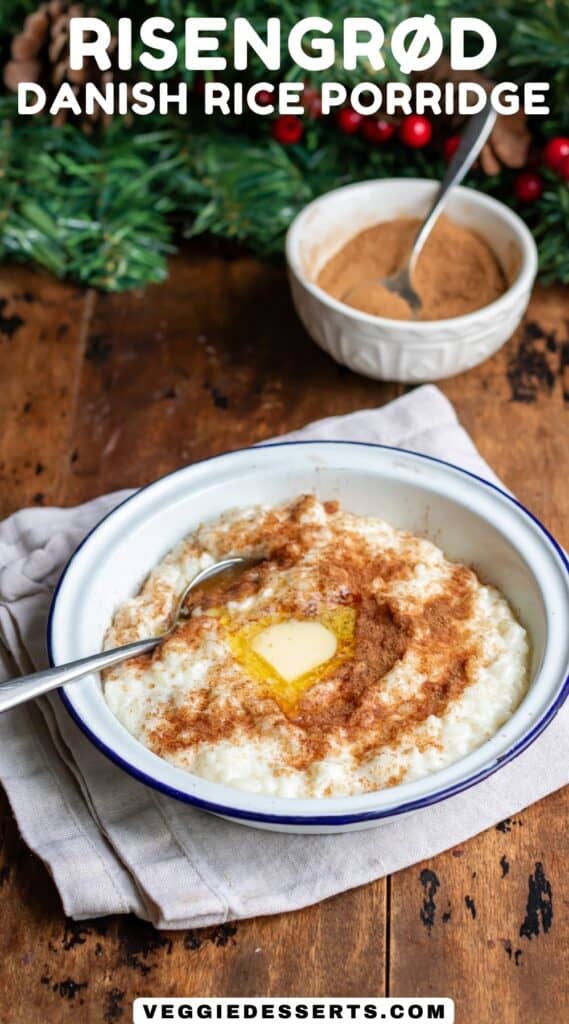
{"x":40,"y":54}
{"x":510,"y":140}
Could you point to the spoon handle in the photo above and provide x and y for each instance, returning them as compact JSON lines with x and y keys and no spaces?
{"x":475,"y":135}
{"x":19,"y":690}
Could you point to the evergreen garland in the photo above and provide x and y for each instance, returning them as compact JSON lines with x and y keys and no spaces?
{"x":107,"y":210}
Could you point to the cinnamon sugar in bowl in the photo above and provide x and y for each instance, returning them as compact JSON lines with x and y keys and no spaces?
{"x":393,"y":346}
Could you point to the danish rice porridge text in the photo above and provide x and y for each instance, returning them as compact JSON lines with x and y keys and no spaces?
{"x":353,"y":657}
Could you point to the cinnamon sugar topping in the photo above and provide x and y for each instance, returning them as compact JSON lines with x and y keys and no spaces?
{"x":413,"y":683}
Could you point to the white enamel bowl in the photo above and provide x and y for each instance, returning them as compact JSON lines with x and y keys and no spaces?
{"x":470,"y":519}
{"x":396,"y":349}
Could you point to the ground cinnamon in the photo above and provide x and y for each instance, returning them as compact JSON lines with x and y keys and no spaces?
{"x":457,"y":271}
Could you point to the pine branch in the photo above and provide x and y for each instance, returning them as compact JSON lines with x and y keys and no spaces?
{"x":549,"y":221}
{"x":97,"y":213}
{"x":104,"y":211}
{"x":252,"y":193}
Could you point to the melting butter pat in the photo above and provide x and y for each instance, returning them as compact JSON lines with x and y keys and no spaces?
{"x":294,"y":647}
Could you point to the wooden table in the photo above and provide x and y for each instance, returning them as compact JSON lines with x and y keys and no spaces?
{"x":101,"y":392}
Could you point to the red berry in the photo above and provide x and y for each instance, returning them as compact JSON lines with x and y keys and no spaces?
{"x":377,"y":130}
{"x":312,"y":102}
{"x":287,"y":129}
{"x":416,"y":131}
{"x":265,"y":97}
{"x":349,"y":120}
{"x":556,"y":151}
{"x":528,"y":186}
{"x":563,"y":169}
{"x":450,"y":147}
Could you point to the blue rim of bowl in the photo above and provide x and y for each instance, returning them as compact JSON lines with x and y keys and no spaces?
{"x":331,"y":820}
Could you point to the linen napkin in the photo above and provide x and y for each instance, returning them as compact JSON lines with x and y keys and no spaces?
{"x":113,"y":846}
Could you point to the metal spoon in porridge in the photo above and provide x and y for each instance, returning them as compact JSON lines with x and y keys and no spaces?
{"x":401,"y":283}
{"x":19,"y":690}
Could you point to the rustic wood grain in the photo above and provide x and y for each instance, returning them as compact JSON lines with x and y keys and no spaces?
{"x":487,"y":922}
{"x":516,"y":408}
{"x":213,"y":360}
{"x":41,"y":346}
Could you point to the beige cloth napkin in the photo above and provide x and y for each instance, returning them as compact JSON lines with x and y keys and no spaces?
{"x":114,"y":846}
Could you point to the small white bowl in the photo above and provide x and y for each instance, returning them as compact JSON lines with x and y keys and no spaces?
{"x":472,"y":521}
{"x":401,"y":350}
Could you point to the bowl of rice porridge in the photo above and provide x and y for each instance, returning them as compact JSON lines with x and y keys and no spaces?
{"x":402,"y":634}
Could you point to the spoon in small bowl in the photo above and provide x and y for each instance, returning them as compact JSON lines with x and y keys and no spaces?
{"x":475,"y":135}
{"x":19,"y":690}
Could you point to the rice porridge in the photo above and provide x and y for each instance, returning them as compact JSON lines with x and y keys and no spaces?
{"x":353,"y":657}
